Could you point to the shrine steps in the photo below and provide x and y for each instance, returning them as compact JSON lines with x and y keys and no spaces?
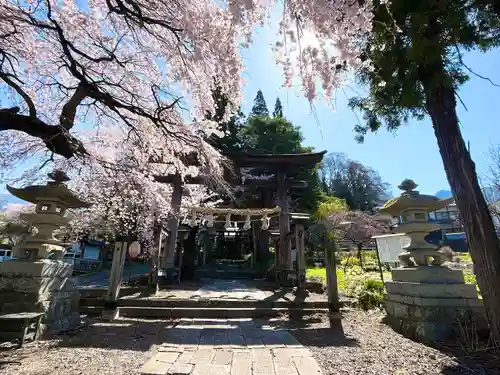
{"x":224,"y":274}
{"x":204,"y":303}
{"x":203,"y":308}
{"x":203,"y":313}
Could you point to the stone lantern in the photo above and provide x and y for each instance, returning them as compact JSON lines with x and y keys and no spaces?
{"x":51,"y":200}
{"x":32,"y":282}
{"x":425,"y":299}
{"x":413,"y":209}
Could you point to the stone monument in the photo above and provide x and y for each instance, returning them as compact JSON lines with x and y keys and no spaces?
{"x":32,"y":282}
{"x":426,"y":300}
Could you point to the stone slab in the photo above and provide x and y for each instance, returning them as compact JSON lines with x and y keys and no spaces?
{"x":428,"y":275}
{"x":180,"y":369}
{"x":242,"y":363}
{"x":298,"y":352}
{"x":284,"y":366}
{"x":431,"y":290}
{"x":262,"y":364}
{"x":35,"y":284}
{"x":253,"y":342}
{"x":223,"y":357}
{"x":154,"y":367}
{"x":185,"y":357}
{"x":307,"y":366}
{"x":270,"y":340}
{"x":435,"y":302}
{"x":168,"y":357}
{"x":287,"y":339}
{"x":203,"y":356}
{"x":211,"y":369}
{"x":38,"y":268}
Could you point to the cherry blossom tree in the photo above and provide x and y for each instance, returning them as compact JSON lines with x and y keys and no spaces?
{"x":357,"y":227}
{"x":101,"y":88}
{"x":12,"y":227}
{"x":68,"y":63}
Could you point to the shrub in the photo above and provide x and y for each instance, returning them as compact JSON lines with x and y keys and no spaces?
{"x":353,"y":261}
{"x":369,"y":294}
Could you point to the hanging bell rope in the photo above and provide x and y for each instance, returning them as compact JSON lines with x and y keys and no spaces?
{"x":247,"y":224}
{"x":265,"y":222}
{"x":210,"y":220}
{"x":228,"y":221}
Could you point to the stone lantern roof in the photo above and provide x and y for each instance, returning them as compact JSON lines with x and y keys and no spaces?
{"x":54,"y":190}
{"x":412,"y":199}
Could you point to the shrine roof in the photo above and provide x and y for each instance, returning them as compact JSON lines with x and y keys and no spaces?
{"x":242,"y":159}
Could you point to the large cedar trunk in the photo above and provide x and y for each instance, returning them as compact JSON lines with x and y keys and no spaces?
{"x":460,"y":170}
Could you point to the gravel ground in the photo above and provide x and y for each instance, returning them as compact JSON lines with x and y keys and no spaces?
{"x":364,"y":345}
{"x":118,"y":348}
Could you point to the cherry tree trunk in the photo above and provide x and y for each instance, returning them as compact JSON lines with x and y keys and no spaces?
{"x":461,"y":173}
{"x":360,"y":255}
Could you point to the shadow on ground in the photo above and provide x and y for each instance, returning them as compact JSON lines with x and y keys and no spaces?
{"x":483,"y":361}
{"x":316,"y":330}
{"x":141,"y":335}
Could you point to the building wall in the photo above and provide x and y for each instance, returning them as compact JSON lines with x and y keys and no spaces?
{"x":447,"y":218}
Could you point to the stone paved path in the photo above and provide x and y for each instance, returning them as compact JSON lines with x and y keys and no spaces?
{"x":230,"y":347}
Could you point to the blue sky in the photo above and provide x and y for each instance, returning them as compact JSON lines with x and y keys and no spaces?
{"x":412,"y":152}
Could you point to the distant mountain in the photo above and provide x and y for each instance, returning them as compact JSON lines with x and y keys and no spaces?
{"x":444,"y":194}
{"x":491,"y":194}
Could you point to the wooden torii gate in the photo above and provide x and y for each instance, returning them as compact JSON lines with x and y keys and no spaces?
{"x":280,"y":165}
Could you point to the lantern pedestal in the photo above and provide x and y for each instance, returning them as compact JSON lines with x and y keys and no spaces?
{"x":41,"y":286}
{"x":426,"y":300}
{"x":432,"y":303}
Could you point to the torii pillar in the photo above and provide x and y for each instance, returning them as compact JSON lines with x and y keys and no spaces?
{"x":284,"y":265}
{"x":173,"y":228}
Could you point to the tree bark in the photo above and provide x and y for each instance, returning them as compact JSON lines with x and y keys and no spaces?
{"x":360,"y":255}
{"x":461,"y":173}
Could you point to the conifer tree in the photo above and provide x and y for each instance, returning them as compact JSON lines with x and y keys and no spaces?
{"x":259,"y":106}
{"x":278,"y":109}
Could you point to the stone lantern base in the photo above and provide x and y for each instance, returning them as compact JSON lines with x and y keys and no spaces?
{"x":41,"y":286}
{"x":430,"y":303}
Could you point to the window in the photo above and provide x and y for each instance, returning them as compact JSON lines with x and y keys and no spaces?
{"x":419,"y":216}
{"x":2,"y":253}
{"x":442,"y":215}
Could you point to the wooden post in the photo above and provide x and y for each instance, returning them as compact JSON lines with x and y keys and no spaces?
{"x":255,"y":240}
{"x":173,"y":227}
{"x":379,"y":263}
{"x":331,"y":275}
{"x":284,"y":222}
{"x":301,"y":254}
{"x":110,"y":311}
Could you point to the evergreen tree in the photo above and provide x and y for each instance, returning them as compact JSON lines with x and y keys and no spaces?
{"x":278,"y":109}
{"x":259,"y":106}
{"x":414,"y":68}
{"x":231,"y":139}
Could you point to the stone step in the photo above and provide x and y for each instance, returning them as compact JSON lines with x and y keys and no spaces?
{"x":203,"y":303}
{"x":185,"y":312}
{"x":230,"y":275}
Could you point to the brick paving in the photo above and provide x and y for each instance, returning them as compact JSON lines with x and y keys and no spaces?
{"x":230,"y":347}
